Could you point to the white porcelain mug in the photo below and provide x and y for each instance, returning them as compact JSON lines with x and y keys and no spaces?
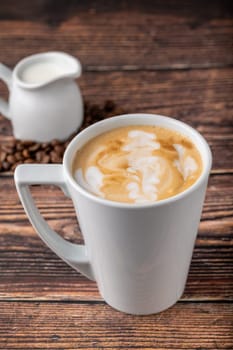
{"x":139,"y":254}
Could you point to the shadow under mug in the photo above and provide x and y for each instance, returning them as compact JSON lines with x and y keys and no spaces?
{"x":139,"y":254}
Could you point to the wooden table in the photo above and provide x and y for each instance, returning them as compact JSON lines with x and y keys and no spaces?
{"x":167,"y":57}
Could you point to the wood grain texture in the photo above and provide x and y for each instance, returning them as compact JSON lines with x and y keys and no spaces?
{"x":97,"y":326}
{"x":121,"y":35}
{"x":29,"y":270}
{"x":202,"y":99}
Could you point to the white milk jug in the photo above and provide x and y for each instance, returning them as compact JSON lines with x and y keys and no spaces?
{"x":45,"y":102}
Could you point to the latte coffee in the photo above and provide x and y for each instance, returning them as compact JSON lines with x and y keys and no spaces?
{"x":137,"y":164}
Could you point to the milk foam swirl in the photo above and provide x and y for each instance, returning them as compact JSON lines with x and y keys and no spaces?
{"x":137,"y":167}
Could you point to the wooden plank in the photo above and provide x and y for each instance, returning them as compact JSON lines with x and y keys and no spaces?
{"x":202,"y":99}
{"x":114,"y":35}
{"x":29,"y":270}
{"x":97,"y":326}
{"x":199,"y":97}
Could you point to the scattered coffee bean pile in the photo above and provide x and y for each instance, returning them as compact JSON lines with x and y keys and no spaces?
{"x":23,"y":152}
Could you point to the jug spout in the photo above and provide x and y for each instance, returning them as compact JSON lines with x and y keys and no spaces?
{"x":42,"y":69}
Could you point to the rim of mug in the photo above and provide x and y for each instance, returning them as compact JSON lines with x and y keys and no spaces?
{"x":34,"y":58}
{"x":72,"y":148}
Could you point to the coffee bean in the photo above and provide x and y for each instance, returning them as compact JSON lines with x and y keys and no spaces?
{"x":55,"y":142}
{"x":55,"y":158}
{"x":45,"y":145}
{"x":59,"y":149}
{"x":10,"y":159}
{"x":39,"y":155}
{"x":8,"y":149}
{"x":34,"y":147}
{"x":18,"y":156}
{"x":47,"y":148}
{"x":45,"y":159}
{"x":3,"y":155}
{"x":26,"y":153}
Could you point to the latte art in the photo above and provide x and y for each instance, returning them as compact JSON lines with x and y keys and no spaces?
{"x":137,"y":164}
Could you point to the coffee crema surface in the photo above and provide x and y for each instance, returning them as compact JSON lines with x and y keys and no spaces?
{"x":137,"y":164}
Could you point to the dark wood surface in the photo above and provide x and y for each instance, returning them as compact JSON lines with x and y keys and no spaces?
{"x":173,"y":58}
{"x":94,"y":325}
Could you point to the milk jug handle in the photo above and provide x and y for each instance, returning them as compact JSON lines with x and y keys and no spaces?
{"x":6,"y":76}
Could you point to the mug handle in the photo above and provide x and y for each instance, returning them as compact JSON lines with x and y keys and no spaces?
{"x":31,"y":174}
{"x":6,"y":76}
